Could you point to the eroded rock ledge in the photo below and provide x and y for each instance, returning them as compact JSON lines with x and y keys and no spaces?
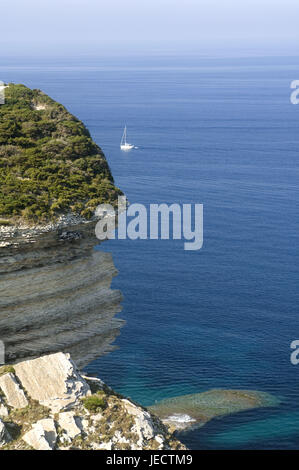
{"x":46,"y":404}
{"x":55,"y":291}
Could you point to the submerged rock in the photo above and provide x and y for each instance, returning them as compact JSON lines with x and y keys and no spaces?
{"x":197,"y":409}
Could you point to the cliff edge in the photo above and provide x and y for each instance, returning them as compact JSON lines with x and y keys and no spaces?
{"x":46,"y":404}
{"x":49,"y":164}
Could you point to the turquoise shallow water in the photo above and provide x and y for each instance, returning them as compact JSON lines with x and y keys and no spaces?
{"x":222,"y":133}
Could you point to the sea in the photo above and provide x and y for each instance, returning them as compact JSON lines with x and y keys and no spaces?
{"x":222,"y":132}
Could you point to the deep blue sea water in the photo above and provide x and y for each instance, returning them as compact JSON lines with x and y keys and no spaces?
{"x":220,"y":132}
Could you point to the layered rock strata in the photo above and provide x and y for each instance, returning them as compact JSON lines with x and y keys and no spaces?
{"x":55,"y":291}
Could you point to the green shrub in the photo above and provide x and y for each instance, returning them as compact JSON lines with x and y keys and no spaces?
{"x":95,"y":402}
{"x":7,"y":369}
{"x":6,"y":223}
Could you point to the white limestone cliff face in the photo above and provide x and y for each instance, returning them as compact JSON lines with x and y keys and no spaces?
{"x":52,"y":380}
{"x":55,"y":292}
{"x":65,"y":410}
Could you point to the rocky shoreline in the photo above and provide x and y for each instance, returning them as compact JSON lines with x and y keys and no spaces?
{"x":46,"y":404}
{"x":56,"y":297}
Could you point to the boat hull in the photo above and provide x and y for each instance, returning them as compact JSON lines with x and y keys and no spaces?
{"x":126,"y":147}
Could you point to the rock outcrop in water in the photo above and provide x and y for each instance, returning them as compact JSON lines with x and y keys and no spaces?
{"x":65,"y":410}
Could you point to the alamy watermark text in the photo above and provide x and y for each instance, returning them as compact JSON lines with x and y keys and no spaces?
{"x":157,"y":221}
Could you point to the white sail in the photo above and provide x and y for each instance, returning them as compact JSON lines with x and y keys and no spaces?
{"x":124,"y":145}
{"x":124,"y":138}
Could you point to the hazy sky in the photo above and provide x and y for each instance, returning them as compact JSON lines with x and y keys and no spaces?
{"x":59,"y":25}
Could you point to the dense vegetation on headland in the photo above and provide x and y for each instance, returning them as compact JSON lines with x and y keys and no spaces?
{"x":49,"y":164}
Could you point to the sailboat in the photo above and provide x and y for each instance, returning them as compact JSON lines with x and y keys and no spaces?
{"x":124,"y":145}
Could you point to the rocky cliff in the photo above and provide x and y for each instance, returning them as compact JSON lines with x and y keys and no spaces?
{"x":55,"y":290}
{"x":46,"y":404}
{"x":55,"y":287}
